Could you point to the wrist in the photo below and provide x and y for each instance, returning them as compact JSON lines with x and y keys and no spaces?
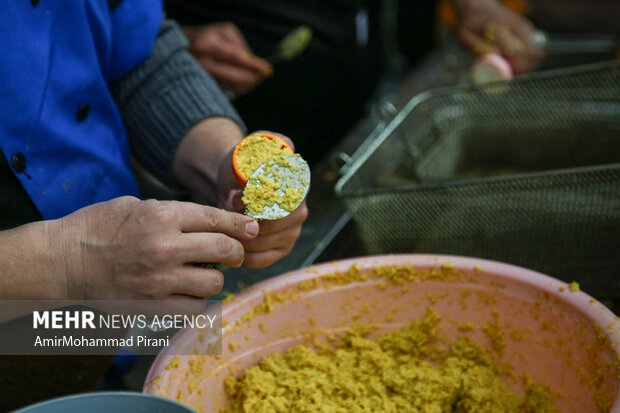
{"x":33,"y":269}
{"x":202,"y":151}
{"x":68,"y":259}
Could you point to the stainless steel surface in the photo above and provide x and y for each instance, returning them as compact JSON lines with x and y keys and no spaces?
{"x":526,"y":172}
{"x":588,"y":44}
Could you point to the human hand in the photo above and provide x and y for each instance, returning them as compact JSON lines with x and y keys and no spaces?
{"x":203,"y":161}
{"x":486,"y":26}
{"x":276,"y":238}
{"x":131,"y":249}
{"x":222,"y":50}
{"x":197,"y":166}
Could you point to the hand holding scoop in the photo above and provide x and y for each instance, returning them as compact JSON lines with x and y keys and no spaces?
{"x":275,"y":180}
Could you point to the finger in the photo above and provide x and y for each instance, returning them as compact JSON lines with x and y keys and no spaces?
{"x":231,"y":199}
{"x":508,"y":42}
{"x":233,"y":35}
{"x":524,"y":30}
{"x":201,"y":218}
{"x":197,"y":282}
{"x":528,"y":57}
{"x":524,"y":62}
{"x":475,"y":43}
{"x":237,"y":203}
{"x":296,"y":218}
{"x":238,"y":77}
{"x":231,"y":32}
{"x":265,"y":259}
{"x":210,"y":247}
{"x":277,"y":240}
{"x":185,"y":304}
{"x":211,"y":38}
{"x":256,"y":63}
{"x":228,"y":52}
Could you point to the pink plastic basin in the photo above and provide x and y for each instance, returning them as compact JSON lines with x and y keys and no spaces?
{"x":563,"y":338}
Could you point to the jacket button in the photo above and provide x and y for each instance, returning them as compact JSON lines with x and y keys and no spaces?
{"x":34,"y":3}
{"x":18,"y":162}
{"x":82,"y":112}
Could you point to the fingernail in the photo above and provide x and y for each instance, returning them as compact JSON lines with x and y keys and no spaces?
{"x":251,"y":228}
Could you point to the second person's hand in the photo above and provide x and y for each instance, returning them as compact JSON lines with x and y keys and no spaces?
{"x":223,"y":51}
{"x":487,"y":26}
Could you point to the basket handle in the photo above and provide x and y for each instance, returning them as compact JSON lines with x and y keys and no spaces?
{"x":381,"y":115}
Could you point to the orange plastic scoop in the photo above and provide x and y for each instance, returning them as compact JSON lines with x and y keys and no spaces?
{"x":253,"y":151}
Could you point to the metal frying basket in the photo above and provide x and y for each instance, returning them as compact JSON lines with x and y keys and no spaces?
{"x":526,"y":172}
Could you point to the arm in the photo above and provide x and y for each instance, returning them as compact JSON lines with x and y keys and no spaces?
{"x":182,"y":127}
{"x":166,"y":96}
{"x":32,"y":264}
{"x":123,"y":249}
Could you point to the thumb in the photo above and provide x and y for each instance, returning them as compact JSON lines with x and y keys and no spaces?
{"x":236,"y":202}
{"x":233,"y":201}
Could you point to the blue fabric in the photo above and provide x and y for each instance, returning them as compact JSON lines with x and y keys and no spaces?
{"x":55,"y":57}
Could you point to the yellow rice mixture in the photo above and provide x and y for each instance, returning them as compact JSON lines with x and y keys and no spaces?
{"x":406,"y":370}
{"x":261,"y":191}
{"x":257,"y":150}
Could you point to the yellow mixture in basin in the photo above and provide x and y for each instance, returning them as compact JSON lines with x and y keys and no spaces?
{"x":257,"y":150}
{"x":407,"y":370}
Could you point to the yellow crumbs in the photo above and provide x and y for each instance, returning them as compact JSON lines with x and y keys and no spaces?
{"x":573,"y":287}
{"x":174,"y":363}
{"x":394,"y":274}
{"x":257,"y":150}
{"x":261,"y":191}
{"x":404,"y":370}
{"x":495,"y":334}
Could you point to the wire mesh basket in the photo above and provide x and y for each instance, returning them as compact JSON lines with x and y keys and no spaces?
{"x":526,"y":172}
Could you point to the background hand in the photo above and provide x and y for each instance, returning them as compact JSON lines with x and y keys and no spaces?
{"x":222,"y":50}
{"x":486,"y":26}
